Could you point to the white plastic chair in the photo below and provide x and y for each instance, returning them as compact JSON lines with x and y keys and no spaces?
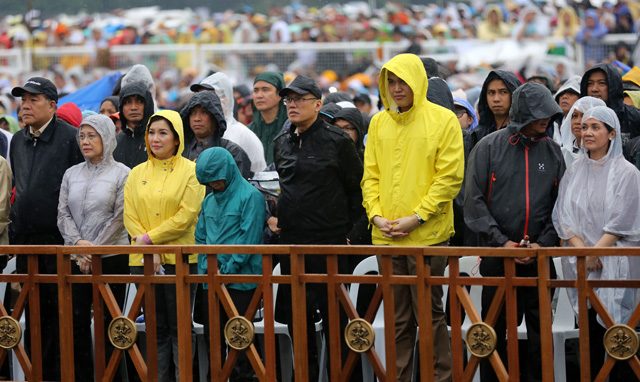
{"x":370,"y":265}
{"x":563,"y":327}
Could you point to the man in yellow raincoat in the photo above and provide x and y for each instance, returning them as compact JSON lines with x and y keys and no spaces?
{"x":413,"y":169}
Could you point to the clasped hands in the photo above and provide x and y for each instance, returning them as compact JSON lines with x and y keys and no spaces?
{"x":400,"y":227}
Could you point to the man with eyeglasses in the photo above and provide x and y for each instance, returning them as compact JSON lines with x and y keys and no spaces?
{"x":320,"y":198}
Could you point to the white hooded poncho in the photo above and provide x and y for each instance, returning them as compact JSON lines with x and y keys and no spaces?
{"x":570,"y":150}
{"x":598,"y":197}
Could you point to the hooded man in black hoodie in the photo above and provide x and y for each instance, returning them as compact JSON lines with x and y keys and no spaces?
{"x":511,"y":187}
{"x":604,"y":81}
{"x":136,"y":107}
{"x":204,"y":126}
{"x":493,"y":104}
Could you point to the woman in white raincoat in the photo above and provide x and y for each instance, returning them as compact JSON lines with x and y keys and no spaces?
{"x":598,"y":205}
{"x":571,"y":128}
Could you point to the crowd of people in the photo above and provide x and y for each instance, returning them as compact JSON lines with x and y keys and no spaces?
{"x":518,"y":166}
{"x":333,"y":22}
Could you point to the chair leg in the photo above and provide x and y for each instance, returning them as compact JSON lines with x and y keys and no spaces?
{"x":559,"y":359}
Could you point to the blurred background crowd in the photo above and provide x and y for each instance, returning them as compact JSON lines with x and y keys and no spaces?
{"x":341,"y":46}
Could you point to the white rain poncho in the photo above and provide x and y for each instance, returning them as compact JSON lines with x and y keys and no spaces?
{"x":570,"y":149}
{"x":597,"y":197}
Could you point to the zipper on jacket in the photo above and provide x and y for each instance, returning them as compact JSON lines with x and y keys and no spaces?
{"x":526,"y":191}
{"x":492,"y":180}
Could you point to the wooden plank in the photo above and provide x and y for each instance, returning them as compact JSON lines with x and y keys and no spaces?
{"x":299,"y":316}
{"x":184,"y":321}
{"x":546,"y":319}
{"x":65,"y":312}
{"x":583,"y":320}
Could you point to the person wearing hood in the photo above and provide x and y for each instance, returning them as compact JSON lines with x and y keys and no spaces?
{"x":351,"y":121}
{"x":162,"y":199}
{"x":10,"y":124}
{"x":468,"y":122}
{"x":236,"y":132}
{"x":243,"y":208}
{"x":90,"y":212}
{"x":110,"y":105}
{"x":565,"y":97}
{"x":493,"y":26}
{"x":599,"y":206}
{"x":568,"y":24}
{"x":319,"y":173}
{"x":631,"y":79}
{"x":141,"y":74}
{"x":205,"y":126}
{"x":604,"y":81}
{"x":40,"y":154}
{"x":269,"y":111}
{"x":136,"y":106}
{"x":415,"y":209}
{"x":439,"y":93}
{"x":510,"y":189}
{"x":632,"y":98}
{"x":590,"y":36}
{"x":571,"y":128}
{"x":493,"y":104}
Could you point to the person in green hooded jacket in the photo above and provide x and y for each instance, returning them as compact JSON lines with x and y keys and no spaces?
{"x":234,"y":213}
{"x":270,"y":113}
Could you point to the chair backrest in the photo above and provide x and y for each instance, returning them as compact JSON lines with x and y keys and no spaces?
{"x":366,"y":266}
{"x":130,"y":296}
{"x":9,"y":269}
{"x":563,"y":310}
{"x":276,"y":272}
{"x":469,"y":265}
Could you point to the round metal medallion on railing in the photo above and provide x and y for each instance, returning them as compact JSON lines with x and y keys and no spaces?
{"x":10,"y":332}
{"x":359,"y":335}
{"x":122,"y":332}
{"x":481,"y":340}
{"x":621,"y":342}
{"x":239,"y":332}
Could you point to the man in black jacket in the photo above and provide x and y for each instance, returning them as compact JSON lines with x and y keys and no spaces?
{"x":604,"y":81}
{"x":493,"y":105}
{"x":136,"y":107}
{"x":320,"y":199}
{"x":40,"y":155}
{"x":511,"y":187}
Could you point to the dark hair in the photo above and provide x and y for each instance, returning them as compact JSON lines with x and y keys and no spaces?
{"x":157,"y":118}
{"x":114,"y":101}
{"x":609,"y":128}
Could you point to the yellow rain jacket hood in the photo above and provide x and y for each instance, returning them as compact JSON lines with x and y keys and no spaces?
{"x":414,"y":161}
{"x":162,"y":198}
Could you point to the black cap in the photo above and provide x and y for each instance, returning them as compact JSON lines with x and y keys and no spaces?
{"x":302,"y":85}
{"x":37,"y":85}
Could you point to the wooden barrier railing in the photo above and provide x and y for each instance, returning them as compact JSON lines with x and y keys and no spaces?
{"x":338,"y":299}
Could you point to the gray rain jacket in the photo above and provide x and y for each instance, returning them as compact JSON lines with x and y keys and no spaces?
{"x":512,"y":181}
{"x":91,"y":202}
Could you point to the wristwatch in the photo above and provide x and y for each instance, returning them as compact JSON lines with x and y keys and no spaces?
{"x":420,"y":220}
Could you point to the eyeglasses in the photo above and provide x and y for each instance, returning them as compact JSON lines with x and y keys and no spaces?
{"x":296,"y":100}
{"x":460,"y":113}
{"x":90,"y":137}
